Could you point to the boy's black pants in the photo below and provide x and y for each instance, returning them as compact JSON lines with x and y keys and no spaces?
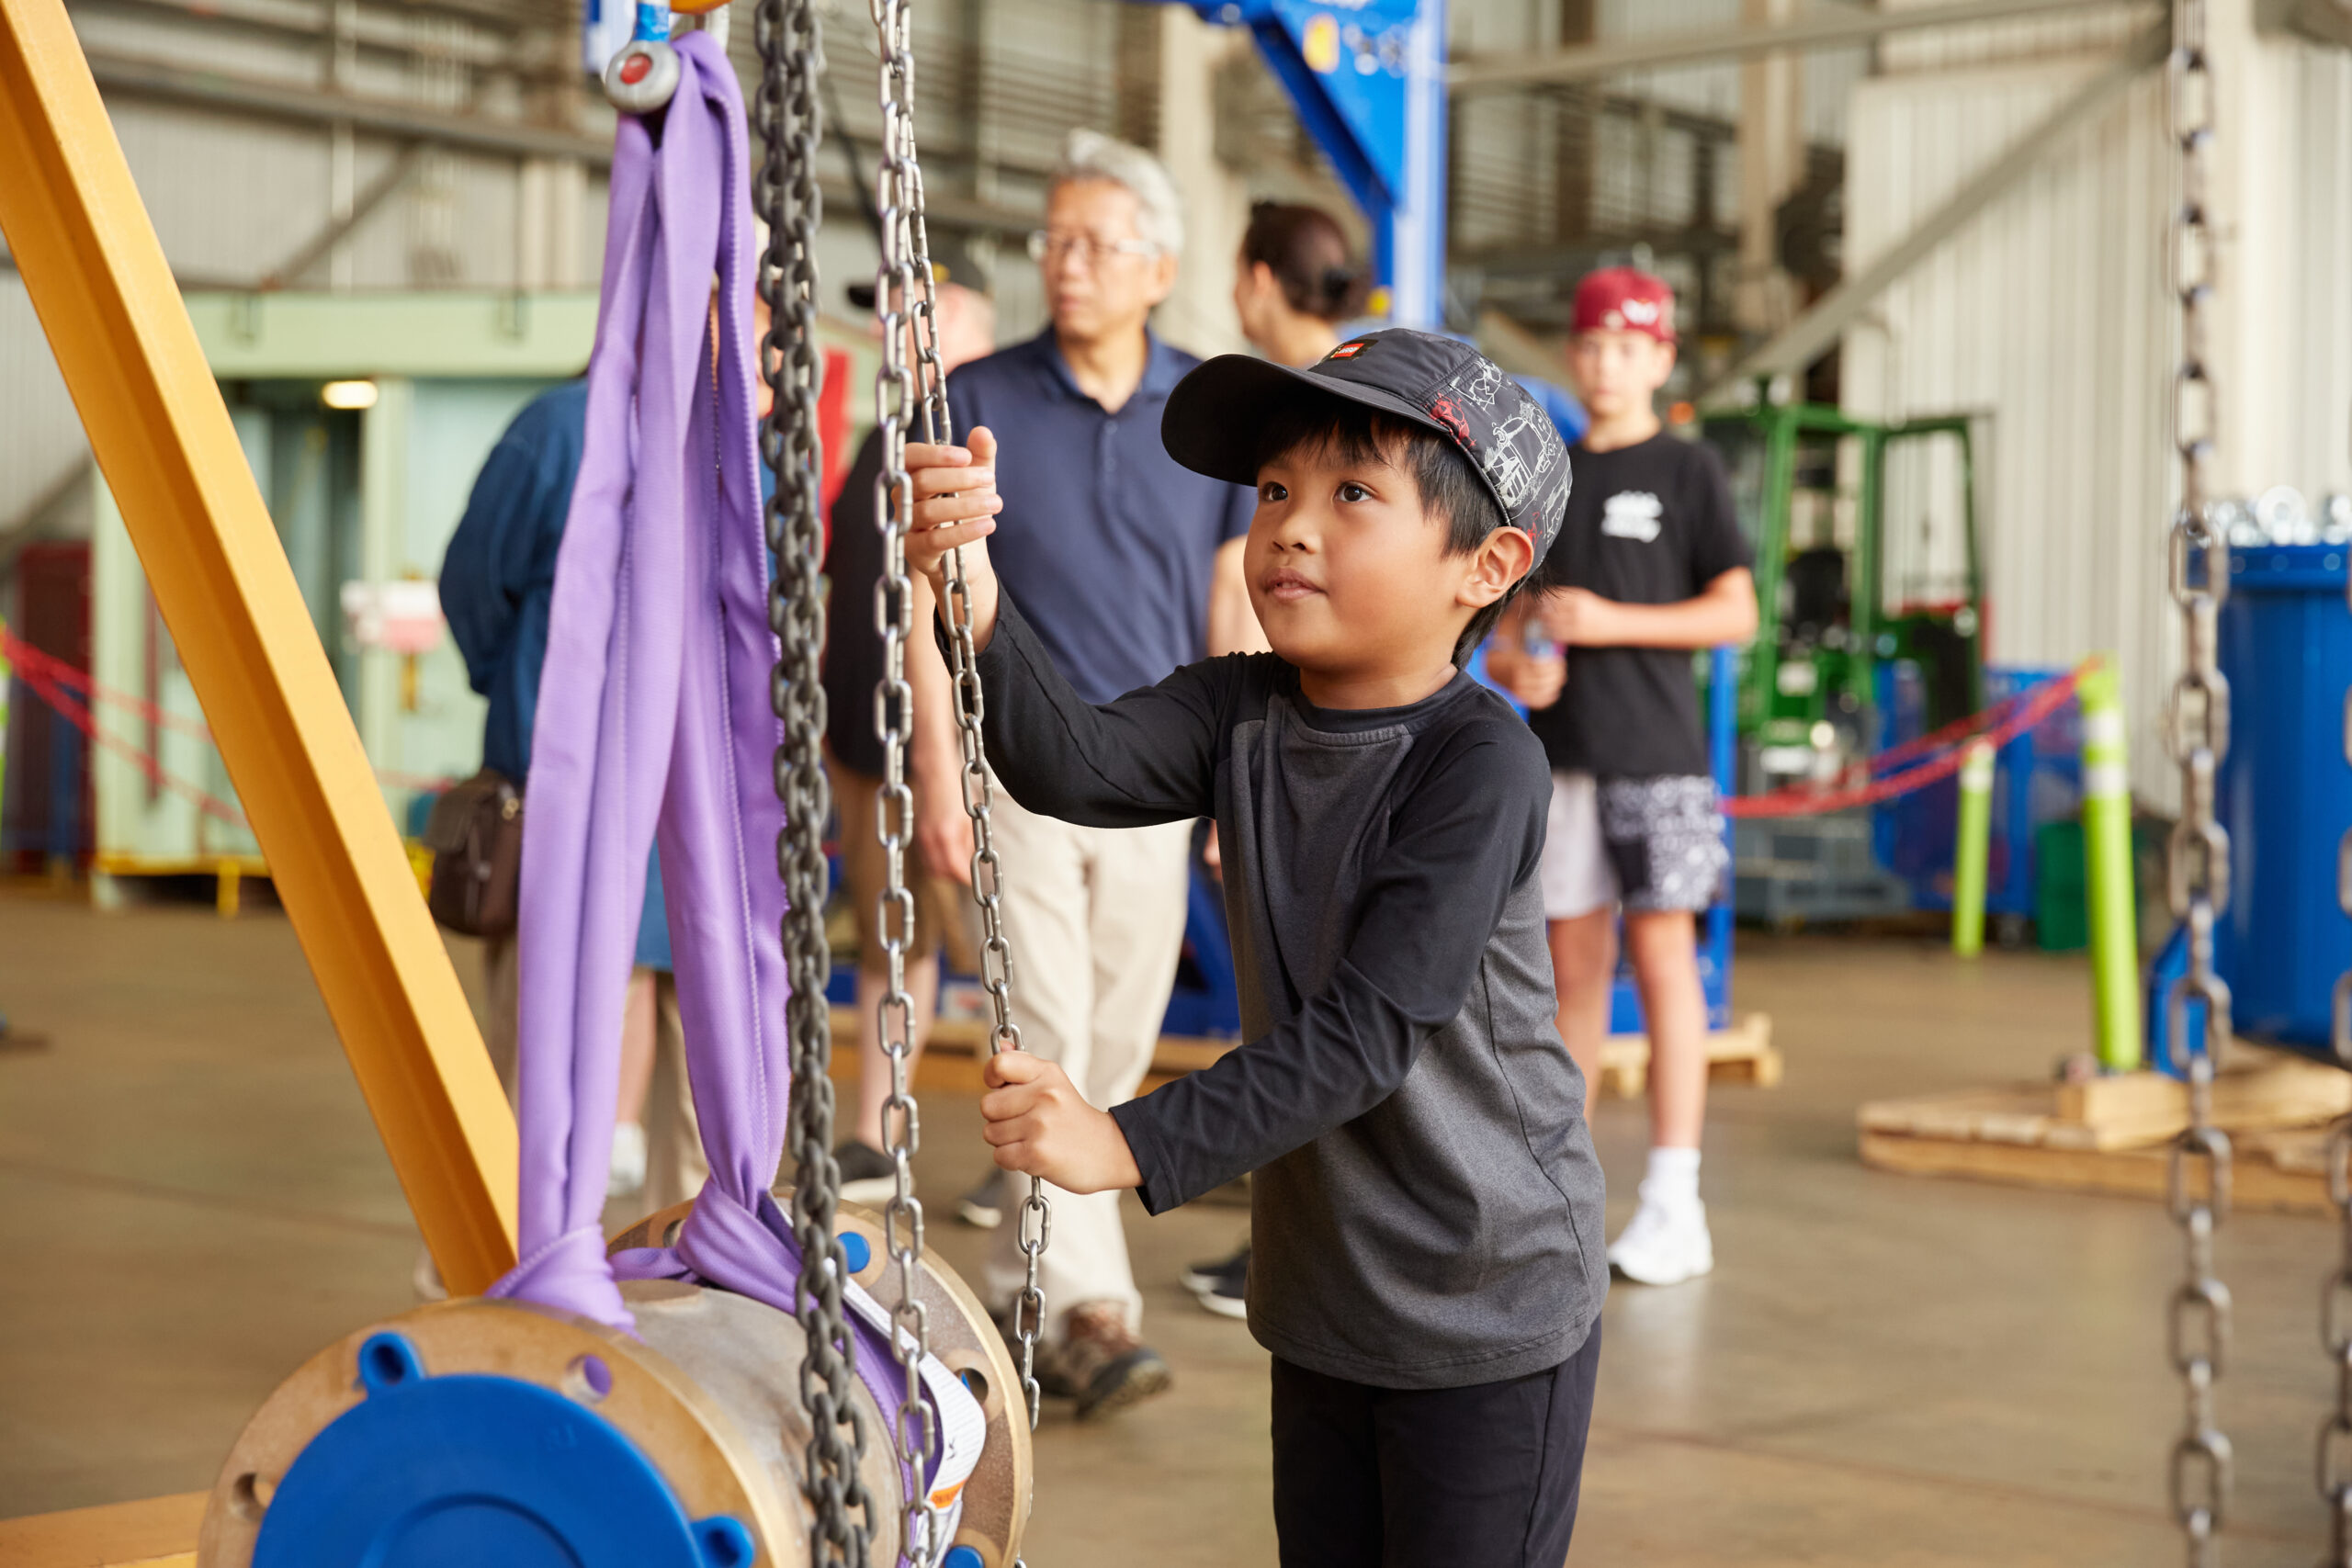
{"x":1479,"y":1477}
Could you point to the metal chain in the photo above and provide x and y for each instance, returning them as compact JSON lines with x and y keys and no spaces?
{"x":2197,"y":569}
{"x":1037,"y":1219}
{"x":791,"y":58}
{"x":894,"y":396}
{"x":2336,"y":1291}
{"x":905,"y":298}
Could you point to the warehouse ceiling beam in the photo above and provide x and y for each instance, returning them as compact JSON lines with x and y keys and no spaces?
{"x":2319,"y":21}
{"x":129,"y":356}
{"x":481,"y":44}
{"x":383,"y":117}
{"x":1835,"y":30}
{"x":140,"y":77}
{"x":1815,"y":332}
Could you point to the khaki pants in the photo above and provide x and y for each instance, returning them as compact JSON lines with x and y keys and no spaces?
{"x":674,"y":1166}
{"x":1096,"y":919}
{"x":941,"y":905}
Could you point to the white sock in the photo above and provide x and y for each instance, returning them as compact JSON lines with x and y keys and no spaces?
{"x":1672,"y":1182}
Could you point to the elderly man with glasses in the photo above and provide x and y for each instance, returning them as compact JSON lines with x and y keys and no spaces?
{"x":1129,"y":566}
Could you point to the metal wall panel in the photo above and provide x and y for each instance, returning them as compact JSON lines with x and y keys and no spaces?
{"x":40,"y":435}
{"x":2049,"y":313}
{"x":2046,"y":314}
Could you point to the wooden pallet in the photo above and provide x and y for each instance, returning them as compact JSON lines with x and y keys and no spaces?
{"x":953,"y":1056}
{"x":2109,"y":1134}
{"x":1742,"y":1053}
{"x":157,"y":1532}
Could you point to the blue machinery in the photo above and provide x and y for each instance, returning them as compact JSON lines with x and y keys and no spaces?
{"x":1369,"y":84}
{"x":1714,"y":933}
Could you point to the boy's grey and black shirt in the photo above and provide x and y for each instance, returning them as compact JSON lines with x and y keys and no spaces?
{"x":1426,"y":1207}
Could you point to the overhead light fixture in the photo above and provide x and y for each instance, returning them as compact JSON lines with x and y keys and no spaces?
{"x":348,"y":394}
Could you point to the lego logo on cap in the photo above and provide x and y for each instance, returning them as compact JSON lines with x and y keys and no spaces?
{"x":1349,"y":350}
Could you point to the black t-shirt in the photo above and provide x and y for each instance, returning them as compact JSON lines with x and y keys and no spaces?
{"x":1426,"y":1209}
{"x":1649,"y":523}
{"x":852,"y":645}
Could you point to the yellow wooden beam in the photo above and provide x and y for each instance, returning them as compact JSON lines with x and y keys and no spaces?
{"x":80,"y":236}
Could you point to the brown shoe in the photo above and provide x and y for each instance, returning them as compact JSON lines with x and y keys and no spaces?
{"x":1052,"y":1377}
{"x":1102,"y":1360}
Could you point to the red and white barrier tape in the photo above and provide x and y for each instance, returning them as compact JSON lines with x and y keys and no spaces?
{"x":1998,"y":724}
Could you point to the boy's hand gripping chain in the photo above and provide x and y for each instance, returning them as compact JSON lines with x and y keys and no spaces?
{"x":841,"y":1529}
{"x":905,"y":297}
{"x":2199,"y":870}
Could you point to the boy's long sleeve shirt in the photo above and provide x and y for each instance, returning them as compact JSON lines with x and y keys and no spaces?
{"x":1427,"y":1210}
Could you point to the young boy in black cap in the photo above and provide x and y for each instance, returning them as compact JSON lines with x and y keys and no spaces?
{"x":1426,"y":1209}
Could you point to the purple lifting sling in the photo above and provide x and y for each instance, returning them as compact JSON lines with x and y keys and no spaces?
{"x":654,"y":724}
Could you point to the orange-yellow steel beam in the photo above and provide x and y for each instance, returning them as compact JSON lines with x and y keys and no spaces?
{"x":82,"y":240}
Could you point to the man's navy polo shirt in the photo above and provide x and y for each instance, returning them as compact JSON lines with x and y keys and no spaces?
{"x":1106,"y":542}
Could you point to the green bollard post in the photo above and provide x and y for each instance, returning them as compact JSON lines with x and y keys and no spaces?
{"x":2112,"y":912}
{"x":1972,"y":850}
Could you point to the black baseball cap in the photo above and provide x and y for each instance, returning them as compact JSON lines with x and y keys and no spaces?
{"x":1437,"y":383}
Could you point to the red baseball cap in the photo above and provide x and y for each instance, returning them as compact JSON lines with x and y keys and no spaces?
{"x":1625,"y":299}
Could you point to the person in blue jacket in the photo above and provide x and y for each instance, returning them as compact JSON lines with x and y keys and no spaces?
{"x":497,"y":581}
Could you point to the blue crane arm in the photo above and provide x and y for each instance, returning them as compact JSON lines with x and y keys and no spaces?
{"x":1368,"y":79}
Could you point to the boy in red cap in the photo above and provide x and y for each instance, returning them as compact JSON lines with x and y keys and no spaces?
{"x":1649,"y":564}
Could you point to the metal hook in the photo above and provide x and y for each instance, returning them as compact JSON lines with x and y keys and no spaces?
{"x":643,"y":76}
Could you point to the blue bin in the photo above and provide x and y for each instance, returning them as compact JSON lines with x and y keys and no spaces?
{"x":2285,"y":791}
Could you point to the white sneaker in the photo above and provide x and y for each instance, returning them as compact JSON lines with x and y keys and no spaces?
{"x":1663,"y":1247}
{"x":628,"y":1177}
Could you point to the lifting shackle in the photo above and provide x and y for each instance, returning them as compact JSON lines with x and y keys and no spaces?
{"x":643,"y":75}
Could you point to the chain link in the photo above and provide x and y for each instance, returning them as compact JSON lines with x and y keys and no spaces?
{"x":792,"y":63}
{"x":897,"y":189}
{"x":906,"y":297}
{"x":1036,"y":1217}
{"x":2197,"y":728}
{"x":2336,"y":1291}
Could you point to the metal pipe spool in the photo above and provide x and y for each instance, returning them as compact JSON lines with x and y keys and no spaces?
{"x":499,"y":1432}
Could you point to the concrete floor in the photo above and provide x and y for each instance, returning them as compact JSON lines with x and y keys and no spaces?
{"x":1883,"y":1371}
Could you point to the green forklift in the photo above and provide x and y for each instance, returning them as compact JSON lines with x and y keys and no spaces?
{"x":1871,"y":592}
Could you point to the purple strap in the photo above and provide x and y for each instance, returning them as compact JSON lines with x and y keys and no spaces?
{"x":655,"y":721}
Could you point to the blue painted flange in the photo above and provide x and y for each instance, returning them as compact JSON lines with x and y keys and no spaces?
{"x":472,"y":1470}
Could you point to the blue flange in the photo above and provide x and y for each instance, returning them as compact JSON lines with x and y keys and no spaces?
{"x":472,"y":1470}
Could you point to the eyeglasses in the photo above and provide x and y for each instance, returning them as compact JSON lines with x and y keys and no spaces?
{"x":1044,"y":247}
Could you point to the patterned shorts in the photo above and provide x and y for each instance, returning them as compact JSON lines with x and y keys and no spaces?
{"x":1651,"y":844}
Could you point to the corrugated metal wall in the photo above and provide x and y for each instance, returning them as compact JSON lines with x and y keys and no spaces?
{"x":2049,"y":314}
{"x":40,"y":435}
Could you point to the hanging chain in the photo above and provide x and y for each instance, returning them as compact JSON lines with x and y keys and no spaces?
{"x":791,"y":62}
{"x":2335,"y":1292}
{"x":906,"y":297}
{"x":1037,"y":1219}
{"x":895,"y":398}
{"x":2197,"y":569}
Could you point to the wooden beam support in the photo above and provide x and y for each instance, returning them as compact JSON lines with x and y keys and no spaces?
{"x":82,"y":240}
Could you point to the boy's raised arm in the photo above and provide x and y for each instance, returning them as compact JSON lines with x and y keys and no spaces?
{"x":1146,"y":757}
